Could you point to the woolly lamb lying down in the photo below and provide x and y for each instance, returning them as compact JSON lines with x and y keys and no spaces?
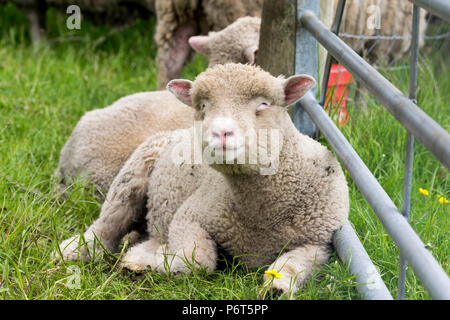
{"x":290,"y":200}
{"x":105,"y":138}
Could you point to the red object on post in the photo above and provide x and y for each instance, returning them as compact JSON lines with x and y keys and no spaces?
{"x":339,"y":79}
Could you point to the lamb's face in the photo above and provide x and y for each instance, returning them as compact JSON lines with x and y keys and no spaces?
{"x":240,"y":111}
{"x":241,"y":133}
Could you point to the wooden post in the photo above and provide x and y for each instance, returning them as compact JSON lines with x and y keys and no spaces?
{"x":286,"y":49}
{"x":276,"y":52}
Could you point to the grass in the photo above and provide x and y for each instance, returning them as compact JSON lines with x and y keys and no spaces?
{"x":45,"y":90}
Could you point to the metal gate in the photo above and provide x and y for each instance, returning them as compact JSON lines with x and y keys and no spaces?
{"x":309,"y":113}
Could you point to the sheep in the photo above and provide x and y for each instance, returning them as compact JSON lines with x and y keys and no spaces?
{"x":177,"y":20}
{"x":176,"y":24}
{"x":236,"y":43}
{"x":104,"y":138}
{"x":287,"y":204}
{"x":395,"y":19}
{"x":98,"y":154}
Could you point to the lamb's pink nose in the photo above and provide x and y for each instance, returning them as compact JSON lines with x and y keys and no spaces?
{"x":222,"y":135}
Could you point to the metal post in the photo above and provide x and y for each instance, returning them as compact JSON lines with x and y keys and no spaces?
{"x":306,"y":62}
{"x":409,"y":158}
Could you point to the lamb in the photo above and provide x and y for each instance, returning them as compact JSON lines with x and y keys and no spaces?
{"x":178,"y":20}
{"x":236,"y":43}
{"x":105,"y":138}
{"x":176,"y":25}
{"x":288,"y":202}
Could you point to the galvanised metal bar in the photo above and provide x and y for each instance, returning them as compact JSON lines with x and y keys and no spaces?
{"x":335,"y":29}
{"x":306,"y":62}
{"x":350,"y":250}
{"x":347,"y":244}
{"x":427,"y":269}
{"x":409,"y":158}
{"x":440,"y":8}
{"x":424,"y":128}
{"x":406,"y":209}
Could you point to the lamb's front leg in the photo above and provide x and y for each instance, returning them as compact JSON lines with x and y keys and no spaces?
{"x":190,"y":246}
{"x":124,"y":204}
{"x":294,"y":267}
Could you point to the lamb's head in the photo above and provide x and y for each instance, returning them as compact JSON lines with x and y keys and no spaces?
{"x":241,"y":114}
{"x":237,"y":43}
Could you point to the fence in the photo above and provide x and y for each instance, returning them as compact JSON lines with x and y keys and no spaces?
{"x":309,"y":114}
{"x":376,"y":30}
{"x":380,"y":32}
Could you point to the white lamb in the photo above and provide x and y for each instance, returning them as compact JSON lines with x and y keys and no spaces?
{"x":105,"y":138}
{"x":178,"y":20}
{"x":253,"y":209}
{"x":236,"y":43}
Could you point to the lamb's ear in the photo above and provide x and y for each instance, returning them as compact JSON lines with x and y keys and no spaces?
{"x":296,"y":87}
{"x":181,"y":89}
{"x":250,"y":54}
{"x":200,"y":44}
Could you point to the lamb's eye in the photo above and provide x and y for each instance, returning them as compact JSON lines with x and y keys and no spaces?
{"x":262,"y":106}
{"x":202,"y":107}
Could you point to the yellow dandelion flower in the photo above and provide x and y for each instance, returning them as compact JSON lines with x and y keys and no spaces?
{"x":438,"y":196}
{"x":424,"y":192}
{"x":273,"y":274}
{"x":443,"y":200}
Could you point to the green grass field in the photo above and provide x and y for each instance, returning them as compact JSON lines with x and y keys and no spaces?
{"x":45,"y":90}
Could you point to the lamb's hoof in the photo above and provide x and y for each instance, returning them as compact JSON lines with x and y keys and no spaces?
{"x":271,"y":293}
{"x":276,"y":289}
{"x":276,"y":294}
{"x":72,"y":251}
{"x":61,"y":192}
{"x":133,"y":238}
{"x":137,"y":259}
{"x":138,"y":268}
